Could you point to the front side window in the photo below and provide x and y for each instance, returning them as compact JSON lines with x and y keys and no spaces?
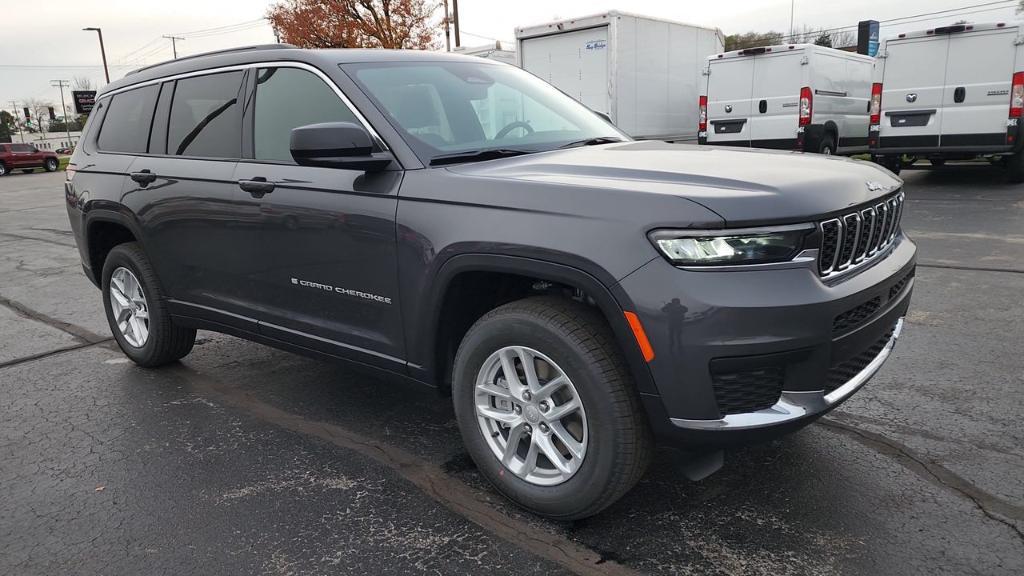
{"x":460,"y":107}
{"x":126,"y":125}
{"x":206,"y":118}
{"x":287,"y":98}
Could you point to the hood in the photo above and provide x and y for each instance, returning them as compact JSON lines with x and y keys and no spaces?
{"x":745,"y":187}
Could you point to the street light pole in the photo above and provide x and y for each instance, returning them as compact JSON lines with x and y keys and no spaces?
{"x":103,"y":51}
{"x":61,"y":84}
{"x":455,"y":20}
{"x":447,"y":30}
{"x":17,"y":122}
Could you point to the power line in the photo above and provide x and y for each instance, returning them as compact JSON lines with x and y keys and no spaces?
{"x":923,"y":16}
{"x":217,"y":28}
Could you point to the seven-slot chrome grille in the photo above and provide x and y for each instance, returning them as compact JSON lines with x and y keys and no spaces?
{"x":852,"y":239}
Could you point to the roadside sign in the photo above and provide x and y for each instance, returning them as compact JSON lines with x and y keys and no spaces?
{"x":84,"y":100}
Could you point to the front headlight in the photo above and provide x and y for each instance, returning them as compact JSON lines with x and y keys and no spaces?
{"x":685,"y":248}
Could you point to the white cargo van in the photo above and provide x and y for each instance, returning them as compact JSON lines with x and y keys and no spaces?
{"x":953,"y":92}
{"x":642,"y":73}
{"x":789,"y":97}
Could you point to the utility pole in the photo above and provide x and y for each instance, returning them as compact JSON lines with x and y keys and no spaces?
{"x":455,"y":20}
{"x":174,"y":45}
{"x":67,"y":127}
{"x":447,"y":31}
{"x":792,"y":8}
{"x":103,"y":51}
{"x":14,"y":106}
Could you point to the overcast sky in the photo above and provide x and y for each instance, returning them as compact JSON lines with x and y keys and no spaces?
{"x":43,"y":41}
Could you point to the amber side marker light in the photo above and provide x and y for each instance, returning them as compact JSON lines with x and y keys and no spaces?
{"x":640,"y":335}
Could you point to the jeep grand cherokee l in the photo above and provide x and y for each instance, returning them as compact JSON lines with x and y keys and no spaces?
{"x":458,"y":222}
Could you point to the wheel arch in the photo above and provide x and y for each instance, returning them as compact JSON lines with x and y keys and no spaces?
{"x":437,"y":332}
{"x":105,"y":228}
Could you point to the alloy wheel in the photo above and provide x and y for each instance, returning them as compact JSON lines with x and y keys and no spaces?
{"x":129,"y":306}
{"x":531,"y":415}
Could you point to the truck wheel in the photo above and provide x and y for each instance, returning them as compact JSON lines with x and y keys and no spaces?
{"x":827,"y":146}
{"x":1015,"y":168}
{"x":137,"y":310}
{"x":547,"y":408}
{"x":3,"y":169}
{"x":50,"y":165}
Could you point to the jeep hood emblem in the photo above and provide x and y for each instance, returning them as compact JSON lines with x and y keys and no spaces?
{"x":874,"y":186}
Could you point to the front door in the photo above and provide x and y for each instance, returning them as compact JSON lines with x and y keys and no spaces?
{"x":321,"y":265}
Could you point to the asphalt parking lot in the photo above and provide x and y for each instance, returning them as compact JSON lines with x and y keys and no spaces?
{"x":243,"y":459}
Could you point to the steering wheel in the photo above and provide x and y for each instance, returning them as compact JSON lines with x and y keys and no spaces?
{"x":512,"y":126}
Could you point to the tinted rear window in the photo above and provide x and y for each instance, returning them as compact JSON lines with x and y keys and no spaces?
{"x":126,"y":125}
{"x":206,"y":118}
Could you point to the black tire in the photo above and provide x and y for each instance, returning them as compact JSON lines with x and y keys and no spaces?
{"x":3,"y":169}
{"x":827,"y":146}
{"x":166,"y":341}
{"x":577,"y":338}
{"x":51,"y":164}
{"x":936,"y":162}
{"x":1015,"y":168}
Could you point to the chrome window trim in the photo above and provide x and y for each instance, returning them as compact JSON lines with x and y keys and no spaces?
{"x":271,"y":64}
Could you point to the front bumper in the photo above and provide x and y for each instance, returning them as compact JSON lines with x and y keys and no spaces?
{"x":784,"y":322}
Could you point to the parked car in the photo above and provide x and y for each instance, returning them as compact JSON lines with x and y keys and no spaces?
{"x":66,"y":151}
{"x":642,"y":73}
{"x":26,"y":157}
{"x":790,"y":97}
{"x":964,"y":103}
{"x":576,"y":292}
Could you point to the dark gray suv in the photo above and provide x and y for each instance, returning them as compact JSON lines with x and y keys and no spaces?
{"x":459,"y":223}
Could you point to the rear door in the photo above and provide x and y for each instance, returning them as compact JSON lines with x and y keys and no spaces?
{"x":976,"y":98}
{"x":913,"y":82}
{"x":185,"y":197}
{"x":775,"y":100}
{"x":574,"y":62}
{"x":730,"y":82}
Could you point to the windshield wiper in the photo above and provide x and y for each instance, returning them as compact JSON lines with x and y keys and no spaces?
{"x":592,"y":141}
{"x":478,"y":155}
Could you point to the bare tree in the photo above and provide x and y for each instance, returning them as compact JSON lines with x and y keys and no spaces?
{"x":82,"y":83}
{"x":40,"y":110}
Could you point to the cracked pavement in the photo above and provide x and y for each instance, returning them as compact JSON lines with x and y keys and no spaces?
{"x":245,"y":459}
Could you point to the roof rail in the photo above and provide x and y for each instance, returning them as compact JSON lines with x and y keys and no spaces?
{"x":215,"y":52}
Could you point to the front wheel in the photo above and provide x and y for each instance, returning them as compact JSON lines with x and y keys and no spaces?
{"x":3,"y":169}
{"x":50,"y":165}
{"x":137,"y":311}
{"x":547,"y":408}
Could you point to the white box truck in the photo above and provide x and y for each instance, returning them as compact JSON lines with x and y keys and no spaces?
{"x":950,"y":93}
{"x":789,"y":97}
{"x":642,"y":73}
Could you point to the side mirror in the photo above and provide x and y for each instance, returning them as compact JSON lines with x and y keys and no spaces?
{"x":336,"y":145}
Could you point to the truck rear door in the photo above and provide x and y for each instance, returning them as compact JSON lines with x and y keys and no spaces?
{"x":730,"y":82}
{"x":913,"y":80}
{"x":775,"y":100}
{"x":976,"y":98}
{"x":574,"y":62}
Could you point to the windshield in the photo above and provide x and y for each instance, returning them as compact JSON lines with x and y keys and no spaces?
{"x":452,"y":108}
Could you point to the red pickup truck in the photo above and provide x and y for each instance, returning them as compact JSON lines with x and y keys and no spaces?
{"x":26,"y":157}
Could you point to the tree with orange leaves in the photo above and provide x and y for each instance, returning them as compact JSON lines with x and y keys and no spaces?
{"x":354,"y":23}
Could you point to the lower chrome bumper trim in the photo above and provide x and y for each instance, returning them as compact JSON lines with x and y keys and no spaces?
{"x":795,"y":405}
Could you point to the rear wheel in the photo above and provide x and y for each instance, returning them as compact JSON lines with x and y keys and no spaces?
{"x":50,"y":165}
{"x":547,"y":409}
{"x":137,"y":311}
{"x":827,"y":146}
{"x":1015,"y":168}
{"x":3,"y":169}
